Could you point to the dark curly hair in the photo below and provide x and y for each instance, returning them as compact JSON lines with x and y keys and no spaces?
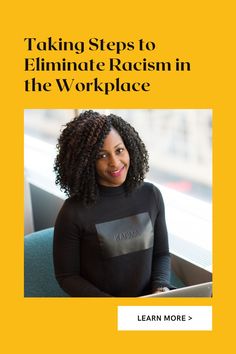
{"x":78,"y":147}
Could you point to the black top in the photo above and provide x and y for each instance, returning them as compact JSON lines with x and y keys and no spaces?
{"x":118,"y":247}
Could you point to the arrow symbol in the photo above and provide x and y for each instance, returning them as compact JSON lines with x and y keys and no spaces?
{"x":189,"y":317}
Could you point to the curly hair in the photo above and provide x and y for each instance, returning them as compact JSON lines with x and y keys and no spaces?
{"x":78,"y":147}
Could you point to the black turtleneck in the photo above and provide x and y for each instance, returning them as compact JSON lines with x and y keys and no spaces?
{"x":118,"y":247}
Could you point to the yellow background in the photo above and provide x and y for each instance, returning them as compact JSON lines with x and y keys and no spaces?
{"x":201,"y":32}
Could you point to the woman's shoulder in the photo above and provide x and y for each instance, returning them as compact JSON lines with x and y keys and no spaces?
{"x":152,"y":191}
{"x":151,"y":187}
{"x":70,"y":207}
{"x":70,"y":202}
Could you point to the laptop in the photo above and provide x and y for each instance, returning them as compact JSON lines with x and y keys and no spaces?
{"x":199,"y":290}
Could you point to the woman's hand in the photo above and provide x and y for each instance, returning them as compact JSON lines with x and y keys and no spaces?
{"x":162,"y":289}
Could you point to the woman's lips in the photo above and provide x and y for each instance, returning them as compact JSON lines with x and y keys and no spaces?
{"x":117,"y":173}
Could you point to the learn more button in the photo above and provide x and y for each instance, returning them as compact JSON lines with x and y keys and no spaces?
{"x":164,"y":318}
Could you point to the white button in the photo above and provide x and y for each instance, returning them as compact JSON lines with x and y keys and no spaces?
{"x":167,"y":318}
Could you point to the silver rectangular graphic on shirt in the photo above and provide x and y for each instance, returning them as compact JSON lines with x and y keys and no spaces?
{"x":130,"y":234}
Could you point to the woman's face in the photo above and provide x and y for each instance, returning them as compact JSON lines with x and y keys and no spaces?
{"x":113,"y":161}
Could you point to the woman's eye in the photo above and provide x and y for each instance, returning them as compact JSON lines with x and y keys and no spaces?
{"x":120,"y":150}
{"x":102,"y":156}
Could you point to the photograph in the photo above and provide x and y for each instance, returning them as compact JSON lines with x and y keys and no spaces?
{"x":118,"y":203}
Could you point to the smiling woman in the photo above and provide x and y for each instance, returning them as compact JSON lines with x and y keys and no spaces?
{"x":110,"y":236}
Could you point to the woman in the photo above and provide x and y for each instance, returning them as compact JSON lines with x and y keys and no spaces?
{"x":110,"y":236}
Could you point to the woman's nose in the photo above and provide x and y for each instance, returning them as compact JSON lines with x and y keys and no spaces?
{"x":113,"y":161}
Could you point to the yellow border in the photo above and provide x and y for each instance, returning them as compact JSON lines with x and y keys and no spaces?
{"x":202,"y":32}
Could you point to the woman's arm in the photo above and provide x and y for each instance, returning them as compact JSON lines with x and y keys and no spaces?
{"x":66,"y":250}
{"x":161,"y":257}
